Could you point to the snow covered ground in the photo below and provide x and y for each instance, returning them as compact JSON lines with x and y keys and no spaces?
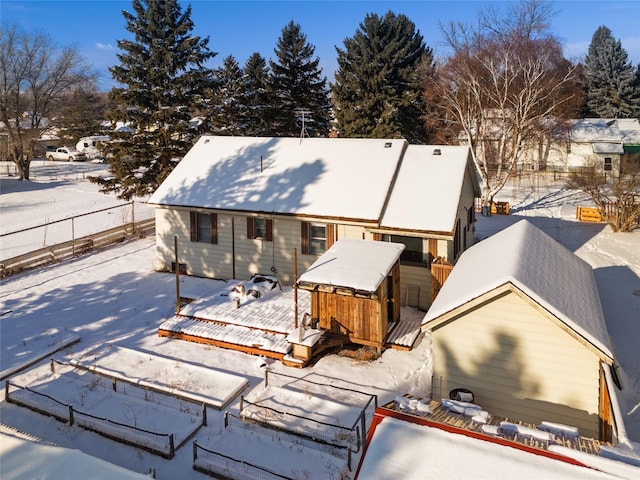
{"x":115,"y":297}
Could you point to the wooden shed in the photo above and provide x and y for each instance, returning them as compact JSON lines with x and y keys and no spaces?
{"x":519,"y":323}
{"x":355,"y":289}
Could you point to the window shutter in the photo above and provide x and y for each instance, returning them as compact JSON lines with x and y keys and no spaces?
{"x":330,"y":234}
{"x":377,"y":236}
{"x":250,"y":230}
{"x":304,"y":238}
{"x":193,"y":226}
{"x":269,"y":232}
{"x":214,"y":228}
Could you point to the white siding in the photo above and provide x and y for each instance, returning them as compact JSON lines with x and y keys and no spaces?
{"x":251,"y":255}
{"x":519,"y":364}
{"x":259,"y":256}
{"x":415,"y":286}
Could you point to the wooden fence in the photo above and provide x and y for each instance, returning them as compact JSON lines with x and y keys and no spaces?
{"x":612,"y":210}
{"x":78,"y":246}
{"x":440,"y":271}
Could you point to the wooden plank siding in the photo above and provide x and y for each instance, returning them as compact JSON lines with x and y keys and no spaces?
{"x":519,"y":363}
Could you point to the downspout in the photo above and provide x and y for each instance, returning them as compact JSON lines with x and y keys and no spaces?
{"x":233,"y":248}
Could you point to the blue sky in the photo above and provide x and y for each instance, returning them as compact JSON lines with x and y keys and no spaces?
{"x":240,"y":27}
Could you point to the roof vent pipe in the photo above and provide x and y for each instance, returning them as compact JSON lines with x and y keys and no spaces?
{"x":437,"y":151}
{"x":387,"y":145}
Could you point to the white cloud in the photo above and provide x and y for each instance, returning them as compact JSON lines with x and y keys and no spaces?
{"x":104,"y":46}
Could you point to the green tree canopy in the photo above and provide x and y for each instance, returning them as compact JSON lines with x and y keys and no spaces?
{"x":611,"y":90}
{"x":379,"y":82}
{"x":296,"y":84}
{"x":163,"y":80}
{"x":256,"y":83}
{"x":230,"y":109}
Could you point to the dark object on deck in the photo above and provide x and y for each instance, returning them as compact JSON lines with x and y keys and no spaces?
{"x":462,"y":395}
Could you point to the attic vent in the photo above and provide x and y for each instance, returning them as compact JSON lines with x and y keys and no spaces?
{"x":206,"y":141}
{"x":387,"y":145}
{"x":437,"y":151}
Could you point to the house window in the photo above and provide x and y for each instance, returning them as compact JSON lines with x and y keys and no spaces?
{"x":568,"y":148}
{"x":413,"y":252}
{"x":204,"y":227}
{"x":608,"y":163}
{"x":261,"y":228}
{"x":316,"y":238}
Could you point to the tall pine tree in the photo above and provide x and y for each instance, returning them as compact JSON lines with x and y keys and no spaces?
{"x":296,"y":84}
{"x":163,"y":76}
{"x":257,"y":100}
{"x":230,"y":109}
{"x":611,"y":91}
{"x":379,"y":86}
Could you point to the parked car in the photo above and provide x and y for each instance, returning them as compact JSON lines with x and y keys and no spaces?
{"x":66,"y":153}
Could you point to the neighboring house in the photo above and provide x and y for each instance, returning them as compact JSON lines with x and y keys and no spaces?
{"x":601,"y":142}
{"x":242,"y":205}
{"x":566,"y":146}
{"x":519,"y":323}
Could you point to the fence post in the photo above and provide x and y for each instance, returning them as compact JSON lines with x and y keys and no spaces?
{"x":349,"y":459}
{"x":226,"y":419}
{"x":358,"y":440}
{"x":51,"y":366}
{"x":364,"y":425}
{"x":204,"y":414}
{"x":73,"y":237}
{"x":172,"y":448}
{"x":266,"y":377}
{"x":133,"y":219}
{"x":113,"y":383}
{"x":6,"y":391}
{"x":70,"y":415}
{"x":241,"y":403}
{"x":195,"y":450}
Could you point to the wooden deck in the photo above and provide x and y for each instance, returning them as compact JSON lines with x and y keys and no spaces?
{"x":262,"y":327}
{"x":441,"y":415}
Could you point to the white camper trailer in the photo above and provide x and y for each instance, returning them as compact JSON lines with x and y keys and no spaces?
{"x":90,"y":146}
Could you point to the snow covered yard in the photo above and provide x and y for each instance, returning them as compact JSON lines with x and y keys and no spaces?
{"x":207,"y":386}
{"x":114,"y":297}
{"x":138,"y":416}
{"x":332,"y":414}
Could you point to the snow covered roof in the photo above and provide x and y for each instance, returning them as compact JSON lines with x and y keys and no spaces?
{"x":537,"y":265}
{"x":26,"y":457}
{"x":377,"y":180}
{"x":346,"y":178}
{"x":427,"y":190}
{"x":400,"y":449}
{"x":608,"y":147}
{"x":595,"y":130}
{"x":355,"y":264}
{"x":630,"y":130}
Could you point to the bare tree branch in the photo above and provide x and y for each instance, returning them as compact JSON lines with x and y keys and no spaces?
{"x":35,"y":76}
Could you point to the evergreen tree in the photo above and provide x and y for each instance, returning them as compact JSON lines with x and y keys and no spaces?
{"x":229,"y":117}
{"x":610,"y":91}
{"x":163,"y":76}
{"x":378,"y":89}
{"x":256,"y":81}
{"x":296,"y":84}
{"x":82,"y":113}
